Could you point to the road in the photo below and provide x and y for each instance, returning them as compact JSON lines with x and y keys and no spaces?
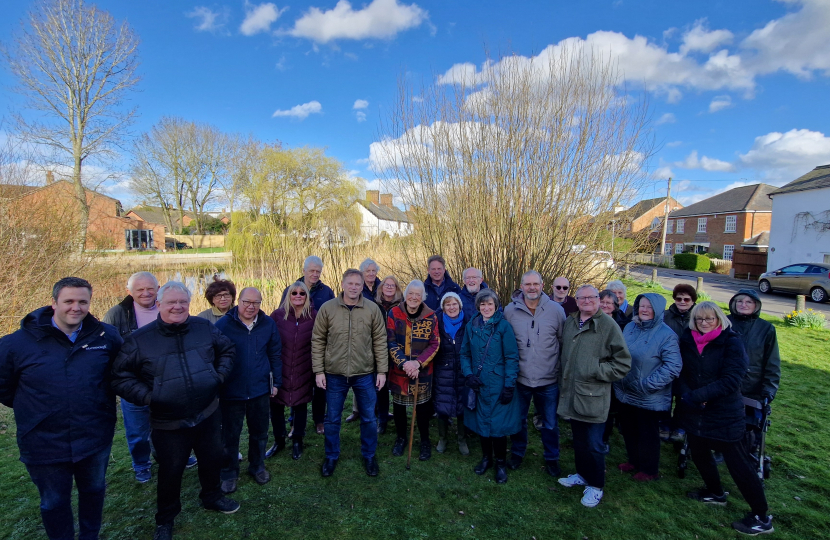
{"x":722,"y":288}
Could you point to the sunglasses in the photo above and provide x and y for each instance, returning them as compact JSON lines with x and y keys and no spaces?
{"x":297,"y":293}
{"x":562,"y":287}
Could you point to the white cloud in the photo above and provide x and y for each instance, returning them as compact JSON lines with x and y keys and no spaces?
{"x":786,"y":156}
{"x":663,"y":172}
{"x":667,"y":118}
{"x":381,"y":19}
{"x":719,"y":103}
{"x":674,"y":144}
{"x":706,"y":163}
{"x":300,"y":112}
{"x":361,"y":116}
{"x":465,"y":74}
{"x":259,"y":18}
{"x":360,"y":104}
{"x":700,"y":39}
{"x":207,"y":19}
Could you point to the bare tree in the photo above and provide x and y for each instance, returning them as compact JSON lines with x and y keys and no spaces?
{"x":75,"y":65}
{"x":518,"y":166}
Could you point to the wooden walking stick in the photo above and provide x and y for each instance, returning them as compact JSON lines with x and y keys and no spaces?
{"x":412,"y":427}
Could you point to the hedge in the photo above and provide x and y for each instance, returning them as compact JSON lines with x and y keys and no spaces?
{"x":691,"y":261}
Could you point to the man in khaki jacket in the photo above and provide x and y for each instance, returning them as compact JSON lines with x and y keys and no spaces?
{"x":594,"y":355}
{"x":348,"y":350}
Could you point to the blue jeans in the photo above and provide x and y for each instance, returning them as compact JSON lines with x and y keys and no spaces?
{"x":589,"y":452}
{"x":363,"y":386}
{"x":137,"y":431}
{"x":54,"y":483}
{"x":545,"y":399}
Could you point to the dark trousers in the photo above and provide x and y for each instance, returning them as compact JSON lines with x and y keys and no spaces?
{"x":383,"y":404}
{"x":491,"y":446}
{"x":300,"y":414}
{"x":589,"y":452}
{"x":423,"y":415}
{"x":255,"y":413}
{"x":740,"y":465}
{"x":318,"y":406}
{"x":173,"y":447}
{"x":545,"y":399}
{"x":641,"y":432}
{"x":54,"y":483}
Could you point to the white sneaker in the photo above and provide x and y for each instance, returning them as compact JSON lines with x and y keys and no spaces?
{"x":573,"y":480}
{"x":591,"y":497}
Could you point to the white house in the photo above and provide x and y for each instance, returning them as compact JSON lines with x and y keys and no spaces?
{"x":378,"y":215}
{"x":800,"y":230}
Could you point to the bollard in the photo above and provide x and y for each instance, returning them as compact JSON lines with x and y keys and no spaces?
{"x":699,"y":284}
{"x":799,"y":302}
{"x":653,"y":274}
{"x":627,"y":271}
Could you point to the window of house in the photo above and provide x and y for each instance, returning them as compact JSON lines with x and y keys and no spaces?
{"x":138,"y":239}
{"x":678,"y":248}
{"x":731,"y":224}
{"x":701,"y":225}
{"x":655,"y":223}
{"x":668,"y":249}
{"x":670,"y":229}
{"x":728,"y":250}
{"x":681,"y":226}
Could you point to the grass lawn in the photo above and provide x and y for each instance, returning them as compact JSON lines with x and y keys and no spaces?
{"x":442,"y":498}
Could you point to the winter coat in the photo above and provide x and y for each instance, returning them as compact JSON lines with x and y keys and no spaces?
{"x":447,"y":377}
{"x":297,"y":376}
{"x":499,"y":370}
{"x":676,"y":320}
{"x":713,"y":378}
{"x":257,"y":365}
{"x":468,"y":300}
{"x":59,"y":390}
{"x":349,"y":342}
{"x":176,"y":369}
{"x":655,"y":360}
{"x":369,"y":294}
{"x":320,"y":294}
{"x":761,"y":344}
{"x":592,"y":358}
{"x":538,"y":337}
{"x":569,"y":305}
{"x":411,"y":339}
{"x":434,"y":293}
{"x":212,"y":314}
{"x":620,"y":318}
{"x":122,"y":317}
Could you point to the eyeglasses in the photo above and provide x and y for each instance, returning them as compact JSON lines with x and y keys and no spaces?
{"x":249,"y":303}
{"x":586,"y":298}
{"x":683,"y":299}
{"x":222,"y":295}
{"x":707,"y":320}
{"x":561,"y":287}
{"x":389,"y":285}
{"x":297,"y":293}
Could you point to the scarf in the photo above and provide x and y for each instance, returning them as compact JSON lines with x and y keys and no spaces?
{"x":701,"y":340}
{"x":452,"y":325}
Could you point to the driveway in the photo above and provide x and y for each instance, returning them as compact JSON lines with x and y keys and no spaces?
{"x":722,"y":288}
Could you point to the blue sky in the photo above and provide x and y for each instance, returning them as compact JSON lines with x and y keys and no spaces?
{"x":738,"y":88}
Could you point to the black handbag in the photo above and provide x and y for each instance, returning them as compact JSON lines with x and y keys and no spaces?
{"x":471,"y":395}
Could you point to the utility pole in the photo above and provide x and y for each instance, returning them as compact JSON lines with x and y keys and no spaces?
{"x":665,"y":223}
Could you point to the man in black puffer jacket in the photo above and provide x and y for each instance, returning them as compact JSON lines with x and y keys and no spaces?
{"x":761,"y":342}
{"x":177,"y":366}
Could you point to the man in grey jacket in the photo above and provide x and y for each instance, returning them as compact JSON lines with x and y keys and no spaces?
{"x":537,"y":322}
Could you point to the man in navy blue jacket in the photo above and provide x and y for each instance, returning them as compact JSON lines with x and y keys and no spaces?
{"x":54,"y":373}
{"x":255,"y":377}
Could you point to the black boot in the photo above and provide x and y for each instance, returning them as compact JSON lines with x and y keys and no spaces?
{"x":297,"y":449}
{"x":501,"y":471}
{"x":426,"y":450}
{"x":485,"y":463}
{"x":278,"y":445}
{"x":398,"y":447}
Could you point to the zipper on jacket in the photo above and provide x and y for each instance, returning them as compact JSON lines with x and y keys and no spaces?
{"x":188,"y":380}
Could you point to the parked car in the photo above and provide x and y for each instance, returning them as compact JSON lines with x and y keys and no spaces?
{"x":811,"y":279}
{"x":169,"y":243}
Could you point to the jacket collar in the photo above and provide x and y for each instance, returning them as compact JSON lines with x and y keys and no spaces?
{"x":166,"y":329}
{"x":234,"y":314}
{"x":360,"y":300}
{"x":39,"y":324}
{"x":519,"y":301}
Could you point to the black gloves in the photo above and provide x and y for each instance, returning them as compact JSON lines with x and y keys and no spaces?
{"x":506,"y":395}
{"x":687,"y":399}
{"x":473,"y":382}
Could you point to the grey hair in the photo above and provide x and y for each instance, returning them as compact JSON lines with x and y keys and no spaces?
{"x":416,"y":284}
{"x":708,"y":307}
{"x":588,"y":286}
{"x":487,"y":294}
{"x":616,"y":285}
{"x":464,"y":273}
{"x":607,"y":293}
{"x":141,"y":275}
{"x":532,"y":273}
{"x":172,"y":285}
{"x":367,"y":263}
{"x":312,"y":259}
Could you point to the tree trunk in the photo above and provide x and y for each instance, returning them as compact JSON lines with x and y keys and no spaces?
{"x":83,"y":205}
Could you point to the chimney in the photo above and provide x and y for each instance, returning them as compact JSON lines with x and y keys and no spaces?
{"x":372,"y":195}
{"x":386,"y":200}
{"x":50,"y":178}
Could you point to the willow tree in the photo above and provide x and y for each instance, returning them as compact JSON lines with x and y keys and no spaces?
{"x":75,"y":66}
{"x":519,"y":165}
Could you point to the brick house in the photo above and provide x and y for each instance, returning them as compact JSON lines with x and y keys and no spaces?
{"x":645,"y":215}
{"x":722,"y":223}
{"x":107,"y":228}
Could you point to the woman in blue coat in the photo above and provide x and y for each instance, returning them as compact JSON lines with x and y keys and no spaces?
{"x":448,"y":381}
{"x":490,"y":364}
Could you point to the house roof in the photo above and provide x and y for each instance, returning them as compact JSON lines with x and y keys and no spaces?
{"x":384,"y":212}
{"x":21,"y":191}
{"x":751,"y":198}
{"x":11,"y":191}
{"x":155,"y":214}
{"x":759,"y":240}
{"x":816,"y":179}
{"x":642,"y":207}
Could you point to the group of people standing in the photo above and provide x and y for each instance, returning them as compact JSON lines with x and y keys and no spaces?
{"x":188,"y":383}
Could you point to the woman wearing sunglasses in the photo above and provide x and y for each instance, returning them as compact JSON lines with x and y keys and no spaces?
{"x":712,"y":412}
{"x":295,"y":322}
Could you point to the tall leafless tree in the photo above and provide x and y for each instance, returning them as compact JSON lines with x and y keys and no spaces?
{"x":75,"y":65}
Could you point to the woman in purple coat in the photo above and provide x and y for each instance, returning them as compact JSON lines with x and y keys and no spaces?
{"x":295,"y":321}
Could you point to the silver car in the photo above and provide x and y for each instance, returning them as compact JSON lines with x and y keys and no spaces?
{"x":811,"y":279}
